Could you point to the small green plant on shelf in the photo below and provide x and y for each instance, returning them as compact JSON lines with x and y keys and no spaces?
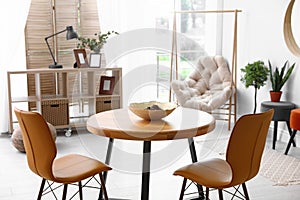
{"x":278,"y":78}
{"x":95,"y":44}
{"x":256,"y":75}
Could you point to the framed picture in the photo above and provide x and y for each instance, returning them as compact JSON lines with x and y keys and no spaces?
{"x":95,"y":60}
{"x":81,"y":58}
{"x":107,"y":84}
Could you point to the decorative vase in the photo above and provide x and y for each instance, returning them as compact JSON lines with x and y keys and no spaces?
{"x":275,"y":96}
{"x":97,"y":49}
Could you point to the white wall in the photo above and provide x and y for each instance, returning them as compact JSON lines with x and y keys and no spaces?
{"x":260,"y":37}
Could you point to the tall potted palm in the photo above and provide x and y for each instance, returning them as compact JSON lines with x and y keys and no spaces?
{"x":278,"y":79}
{"x":256,"y":75}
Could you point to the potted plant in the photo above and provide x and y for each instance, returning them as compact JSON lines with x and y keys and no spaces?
{"x":256,"y":75}
{"x":95,"y":44}
{"x":278,"y":79}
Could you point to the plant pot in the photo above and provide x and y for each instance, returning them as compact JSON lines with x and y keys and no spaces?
{"x":275,"y":96}
{"x":97,"y":49}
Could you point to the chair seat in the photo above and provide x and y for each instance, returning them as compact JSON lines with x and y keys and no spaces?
{"x":41,"y":155}
{"x":215,"y":173}
{"x":210,"y":99}
{"x":243,"y":156}
{"x":73,"y":168}
{"x":295,"y":119}
{"x":295,"y":125}
{"x":282,"y":109}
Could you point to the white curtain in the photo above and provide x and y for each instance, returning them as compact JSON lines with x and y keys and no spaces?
{"x":150,"y":22}
{"x":136,"y":48}
{"x":13,"y":16}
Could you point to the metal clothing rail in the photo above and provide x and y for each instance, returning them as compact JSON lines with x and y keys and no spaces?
{"x":174,"y":51}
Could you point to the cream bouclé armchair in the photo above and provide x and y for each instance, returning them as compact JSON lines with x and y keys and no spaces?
{"x":208,"y":87}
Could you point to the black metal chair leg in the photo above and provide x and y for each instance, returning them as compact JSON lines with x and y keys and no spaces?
{"x":65,"y":192}
{"x":275,"y":134}
{"x":80,"y":190}
{"x":290,"y":132}
{"x":207,"y":193}
{"x":220,"y":194}
{"x":182,"y":189}
{"x":194,"y":159}
{"x":107,"y":161}
{"x":290,"y":142}
{"x":245,"y":191}
{"x":104,"y":192}
{"x":41,"y":189}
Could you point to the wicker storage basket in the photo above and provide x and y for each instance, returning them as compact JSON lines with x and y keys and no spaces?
{"x":56,"y":112}
{"x":107,"y":103}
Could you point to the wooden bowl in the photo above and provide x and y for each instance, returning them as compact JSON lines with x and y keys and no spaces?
{"x":152,"y":110}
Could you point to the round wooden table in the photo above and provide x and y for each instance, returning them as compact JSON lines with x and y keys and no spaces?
{"x":182,"y":123}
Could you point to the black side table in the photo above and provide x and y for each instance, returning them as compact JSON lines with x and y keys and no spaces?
{"x":282,"y":112}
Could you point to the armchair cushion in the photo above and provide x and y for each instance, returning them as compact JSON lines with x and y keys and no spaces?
{"x":208,"y":87}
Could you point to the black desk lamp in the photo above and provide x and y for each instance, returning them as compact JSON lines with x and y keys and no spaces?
{"x":70,"y":35}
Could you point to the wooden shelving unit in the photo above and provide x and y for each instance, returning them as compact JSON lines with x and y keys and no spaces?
{"x":75,"y":97}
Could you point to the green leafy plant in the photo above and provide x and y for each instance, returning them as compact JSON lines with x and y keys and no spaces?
{"x":95,"y":44}
{"x":256,"y":75}
{"x":278,"y":79}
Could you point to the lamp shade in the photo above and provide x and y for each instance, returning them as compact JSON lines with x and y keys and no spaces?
{"x":71,"y":33}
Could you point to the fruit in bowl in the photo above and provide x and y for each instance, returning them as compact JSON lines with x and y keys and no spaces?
{"x":152,"y":110}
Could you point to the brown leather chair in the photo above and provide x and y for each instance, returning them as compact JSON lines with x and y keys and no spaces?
{"x":243,"y":156}
{"x":41,"y":156}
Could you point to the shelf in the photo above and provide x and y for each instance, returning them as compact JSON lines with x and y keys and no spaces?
{"x":105,"y":96}
{"x":65,"y":97}
{"x":24,"y":99}
{"x":81,"y":96}
{"x":53,"y":97}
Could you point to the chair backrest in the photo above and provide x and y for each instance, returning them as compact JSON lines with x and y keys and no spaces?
{"x":38,"y":142}
{"x":211,"y":73}
{"x":246,"y":145}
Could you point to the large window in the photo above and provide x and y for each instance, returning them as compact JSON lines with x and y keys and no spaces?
{"x":146,"y":68}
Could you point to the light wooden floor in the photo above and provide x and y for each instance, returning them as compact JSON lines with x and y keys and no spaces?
{"x":17,"y":182}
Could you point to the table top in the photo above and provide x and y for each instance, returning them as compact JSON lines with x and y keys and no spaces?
{"x":123,"y":124}
{"x":280,"y":104}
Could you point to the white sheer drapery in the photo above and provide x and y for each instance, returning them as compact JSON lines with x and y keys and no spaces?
{"x":13,"y":16}
{"x":138,"y":21}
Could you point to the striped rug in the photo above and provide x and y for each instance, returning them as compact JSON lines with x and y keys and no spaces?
{"x":279,"y":168}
